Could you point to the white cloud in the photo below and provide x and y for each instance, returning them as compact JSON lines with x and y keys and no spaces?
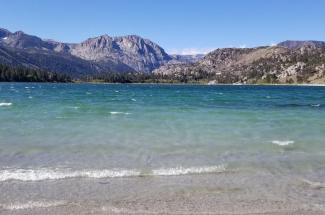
{"x":191,"y":51}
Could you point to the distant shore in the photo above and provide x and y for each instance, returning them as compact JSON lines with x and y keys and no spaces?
{"x":200,"y":83}
{"x":179,"y":83}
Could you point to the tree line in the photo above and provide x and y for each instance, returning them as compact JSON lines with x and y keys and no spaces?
{"x":140,"y":77}
{"x":22,"y":74}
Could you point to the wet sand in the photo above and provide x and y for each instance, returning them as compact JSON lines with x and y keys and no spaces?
{"x":220,"y":193}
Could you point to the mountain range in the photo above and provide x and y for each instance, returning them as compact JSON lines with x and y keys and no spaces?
{"x":94,"y":55}
{"x":286,"y":62}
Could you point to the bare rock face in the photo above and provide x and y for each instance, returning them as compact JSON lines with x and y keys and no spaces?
{"x":140,"y":54}
{"x":21,"y":40}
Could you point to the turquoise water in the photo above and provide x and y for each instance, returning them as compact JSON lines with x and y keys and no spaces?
{"x":106,"y":130}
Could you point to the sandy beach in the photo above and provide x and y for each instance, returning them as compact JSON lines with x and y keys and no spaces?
{"x":222,"y":193}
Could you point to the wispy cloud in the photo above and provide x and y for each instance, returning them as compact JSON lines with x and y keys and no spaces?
{"x":194,"y":51}
{"x":191,"y":51}
{"x":243,"y":46}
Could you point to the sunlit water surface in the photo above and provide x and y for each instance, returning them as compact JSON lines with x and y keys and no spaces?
{"x":56,"y":131}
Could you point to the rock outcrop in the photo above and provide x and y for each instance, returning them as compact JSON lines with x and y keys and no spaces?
{"x":294,"y":44}
{"x":284,"y":63}
{"x":140,"y":54}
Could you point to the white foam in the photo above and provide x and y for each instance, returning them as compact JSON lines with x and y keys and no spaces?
{"x":315,"y":105}
{"x":313,"y":184}
{"x":3,"y":104}
{"x":134,"y":100}
{"x":5,"y":38}
{"x":116,"y":112}
{"x":56,"y":174}
{"x":283,"y":143}
{"x":190,"y":170}
{"x":32,"y":204}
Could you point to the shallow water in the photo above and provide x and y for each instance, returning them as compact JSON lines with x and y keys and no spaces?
{"x":161,"y":149}
{"x":56,"y":131}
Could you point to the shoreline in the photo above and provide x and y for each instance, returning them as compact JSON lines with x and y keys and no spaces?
{"x":231,"y":193}
{"x":163,"y":83}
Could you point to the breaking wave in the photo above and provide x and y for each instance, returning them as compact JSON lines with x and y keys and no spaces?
{"x":116,"y":112}
{"x":3,"y":104}
{"x":283,"y":143}
{"x":56,"y":174}
{"x":315,"y":105}
{"x":191,"y":170}
{"x":31,"y":204}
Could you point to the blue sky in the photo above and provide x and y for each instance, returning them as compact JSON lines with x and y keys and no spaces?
{"x":182,"y":26}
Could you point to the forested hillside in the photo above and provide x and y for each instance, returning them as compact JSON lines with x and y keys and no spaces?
{"x":13,"y":74}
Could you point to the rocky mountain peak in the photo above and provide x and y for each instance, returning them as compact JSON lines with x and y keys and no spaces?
{"x":138,"y":45}
{"x":19,"y":33}
{"x":21,"y":40}
{"x":132,"y":37}
{"x":140,"y":54}
{"x":132,"y":52}
{"x":4,"y":33}
{"x":100,"y":42}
